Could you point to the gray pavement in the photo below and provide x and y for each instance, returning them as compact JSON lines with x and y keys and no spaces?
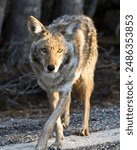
{"x":21,"y":133}
{"x":73,"y":142}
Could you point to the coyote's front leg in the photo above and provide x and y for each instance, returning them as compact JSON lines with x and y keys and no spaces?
{"x":43,"y":140}
{"x":53,"y":99}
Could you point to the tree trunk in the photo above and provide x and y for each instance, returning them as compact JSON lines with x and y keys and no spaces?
{"x":2,"y":12}
{"x":92,"y":8}
{"x":47,"y":11}
{"x":16,"y":23}
{"x":72,"y":7}
{"x":16,"y":27}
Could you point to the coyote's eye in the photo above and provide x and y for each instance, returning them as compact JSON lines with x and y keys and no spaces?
{"x":43,"y":50}
{"x":59,"y":50}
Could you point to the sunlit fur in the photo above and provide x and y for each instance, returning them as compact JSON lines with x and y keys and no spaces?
{"x":70,"y":44}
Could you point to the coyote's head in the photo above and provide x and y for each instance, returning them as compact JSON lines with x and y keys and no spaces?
{"x":50,"y":49}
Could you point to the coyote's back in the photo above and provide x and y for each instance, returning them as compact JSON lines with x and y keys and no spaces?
{"x":63,"y":55}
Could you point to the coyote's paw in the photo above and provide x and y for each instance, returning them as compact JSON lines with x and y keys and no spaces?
{"x":56,"y":146}
{"x":84,"y":132}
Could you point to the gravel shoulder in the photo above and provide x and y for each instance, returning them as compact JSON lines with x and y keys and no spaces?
{"x":103,"y":122}
{"x":101,"y":139}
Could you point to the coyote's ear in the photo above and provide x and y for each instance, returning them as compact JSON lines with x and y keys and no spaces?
{"x":72,"y":28}
{"x":35,"y":27}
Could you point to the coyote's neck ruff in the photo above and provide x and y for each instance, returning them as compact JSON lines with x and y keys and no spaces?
{"x":63,"y":55}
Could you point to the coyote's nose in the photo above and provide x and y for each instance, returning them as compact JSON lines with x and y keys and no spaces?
{"x":50,"y":67}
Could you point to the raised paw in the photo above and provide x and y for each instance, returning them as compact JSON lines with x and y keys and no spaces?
{"x":84,"y":132}
{"x":56,"y":146}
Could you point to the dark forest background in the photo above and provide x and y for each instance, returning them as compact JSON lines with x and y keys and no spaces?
{"x":18,"y":86}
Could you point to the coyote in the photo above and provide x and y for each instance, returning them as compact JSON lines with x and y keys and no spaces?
{"x":63,"y":55}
